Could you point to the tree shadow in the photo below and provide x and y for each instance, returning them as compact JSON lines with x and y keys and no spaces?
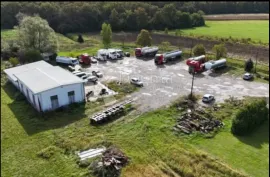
{"x":34,"y":122}
{"x":220,"y":71}
{"x":259,"y":137}
{"x":199,"y":75}
{"x":145,"y":58}
{"x":169,"y":63}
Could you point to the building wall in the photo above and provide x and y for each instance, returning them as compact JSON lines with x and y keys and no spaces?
{"x":43,"y":100}
{"x":62,"y":93}
{"x":12,"y":81}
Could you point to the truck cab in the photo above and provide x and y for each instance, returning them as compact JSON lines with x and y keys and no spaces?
{"x":138,"y":52}
{"x":159,"y":59}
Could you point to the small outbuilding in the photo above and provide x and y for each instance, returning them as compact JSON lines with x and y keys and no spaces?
{"x":45,"y":86}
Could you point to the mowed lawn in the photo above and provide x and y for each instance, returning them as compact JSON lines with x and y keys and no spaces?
{"x":248,"y":154}
{"x":148,"y":140}
{"x":254,"y":29}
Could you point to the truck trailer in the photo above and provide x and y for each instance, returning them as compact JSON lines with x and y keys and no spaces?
{"x":212,"y":65}
{"x":146,"y":51}
{"x":67,"y":60}
{"x":169,"y":56}
{"x":104,"y":54}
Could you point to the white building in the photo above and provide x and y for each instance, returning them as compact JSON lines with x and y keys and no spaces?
{"x":45,"y":86}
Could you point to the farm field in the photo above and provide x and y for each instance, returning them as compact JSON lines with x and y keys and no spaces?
{"x":257,"y":30}
{"x":148,"y":140}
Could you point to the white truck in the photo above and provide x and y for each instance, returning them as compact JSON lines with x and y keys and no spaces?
{"x":67,"y":60}
{"x":104,"y":54}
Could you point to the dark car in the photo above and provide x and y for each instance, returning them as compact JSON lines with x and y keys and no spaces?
{"x":127,"y":54}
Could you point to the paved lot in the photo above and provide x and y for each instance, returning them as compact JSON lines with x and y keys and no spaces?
{"x":162,"y":84}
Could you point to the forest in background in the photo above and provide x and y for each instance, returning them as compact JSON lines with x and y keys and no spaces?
{"x":68,"y":17}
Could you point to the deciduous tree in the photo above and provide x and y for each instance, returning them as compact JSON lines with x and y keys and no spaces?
{"x":106,"y":34}
{"x":35,"y":33}
{"x":144,"y":38}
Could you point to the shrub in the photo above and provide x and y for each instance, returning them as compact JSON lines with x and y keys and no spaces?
{"x":248,"y":65}
{"x":14,"y":61}
{"x":80,"y":39}
{"x":164,"y":46}
{"x":47,"y":152}
{"x":30,"y":56}
{"x":199,"y":50}
{"x":166,"y":31}
{"x":249,"y":117}
{"x":220,"y":51}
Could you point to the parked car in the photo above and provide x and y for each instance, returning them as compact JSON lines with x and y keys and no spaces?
{"x":93,"y":60}
{"x":207,"y":98}
{"x":81,"y":74}
{"x":136,"y":81}
{"x":97,"y":73}
{"x":71,"y":68}
{"x":75,"y":72}
{"x":90,"y":78}
{"x":247,"y":76}
{"x":127,"y":54}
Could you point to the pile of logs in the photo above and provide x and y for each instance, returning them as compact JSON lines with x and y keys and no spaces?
{"x":114,"y":158}
{"x":111,"y":163}
{"x":195,"y":121}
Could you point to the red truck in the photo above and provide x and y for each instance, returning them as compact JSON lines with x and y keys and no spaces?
{"x":196,"y":64}
{"x":84,"y":59}
{"x":146,"y":51}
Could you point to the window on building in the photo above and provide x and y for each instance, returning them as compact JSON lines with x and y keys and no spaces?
{"x":71,"y":97}
{"x":54,"y":101}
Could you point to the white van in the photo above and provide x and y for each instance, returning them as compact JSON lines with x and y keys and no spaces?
{"x":104,"y":54}
{"x":67,"y":60}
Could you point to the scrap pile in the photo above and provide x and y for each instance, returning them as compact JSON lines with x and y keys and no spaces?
{"x":109,"y":113}
{"x":111,"y":163}
{"x":195,"y":121}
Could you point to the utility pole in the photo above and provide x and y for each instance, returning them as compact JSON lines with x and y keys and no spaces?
{"x":256,"y":61}
{"x":193,"y":73}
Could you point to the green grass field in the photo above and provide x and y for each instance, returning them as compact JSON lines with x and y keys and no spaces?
{"x":254,"y":29}
{"x":148,"y":140}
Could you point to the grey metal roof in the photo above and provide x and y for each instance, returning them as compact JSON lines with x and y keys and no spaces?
{"x":15,"y":70}
{"x":43,"y":77}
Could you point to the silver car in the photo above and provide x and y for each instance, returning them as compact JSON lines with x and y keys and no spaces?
{"x":97,"y":73}
{"x":247,"y":76}
{"x":207,"y":98}
{"x":136,"y":81}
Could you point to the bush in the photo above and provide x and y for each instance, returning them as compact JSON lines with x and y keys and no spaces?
{"x":248,"y":65}
{"x":166,"y":31}
{"x":164,"y":46}
{"x":30,"y":56}
{"x":199,"y":50}
{"x":80,"y":39}
{"x":47,"y":152}
{"x":220,"y":51}
{"x":14,"y":61}
{"x":249,"y":117}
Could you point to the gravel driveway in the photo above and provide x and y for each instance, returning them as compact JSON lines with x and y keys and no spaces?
{"x":163,"y":84}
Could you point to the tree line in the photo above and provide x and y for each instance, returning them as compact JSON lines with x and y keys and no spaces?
{"x":220,"y":7}
{"x":67,"y":17}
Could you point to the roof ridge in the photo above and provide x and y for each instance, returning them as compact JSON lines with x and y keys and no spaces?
{"x":49,"y":76}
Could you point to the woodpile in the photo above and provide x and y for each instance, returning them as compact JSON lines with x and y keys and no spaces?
{"x":111,"y":163}
{"x":197,"y":120}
